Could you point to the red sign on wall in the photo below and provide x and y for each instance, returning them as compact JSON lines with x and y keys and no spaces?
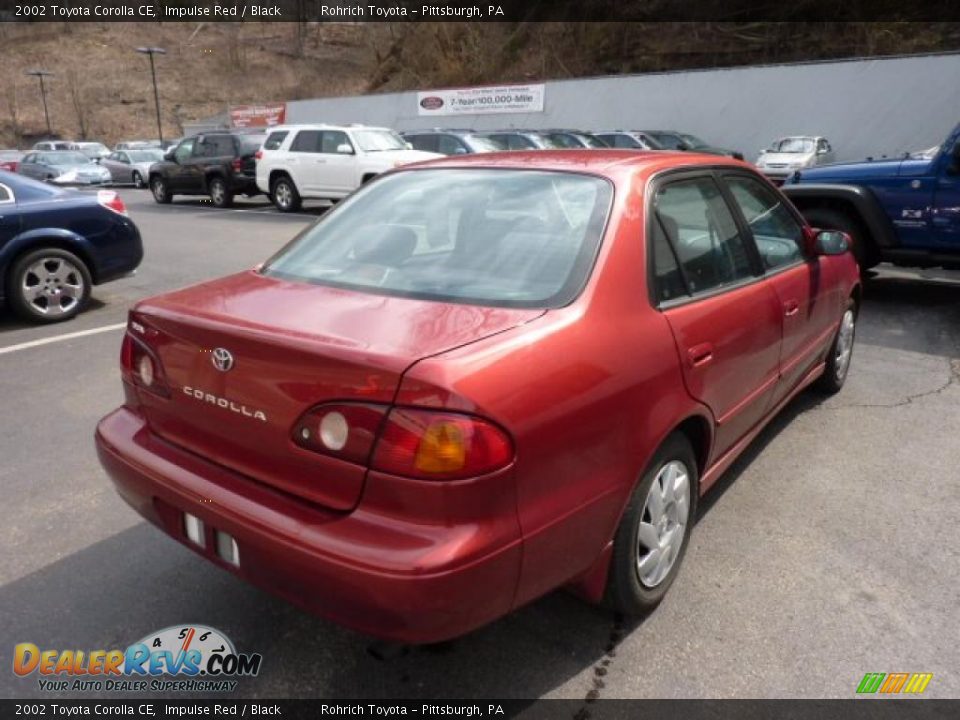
{"x":243,"y":116}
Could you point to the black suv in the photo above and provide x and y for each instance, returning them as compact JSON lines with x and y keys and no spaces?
{"x":218,"y":164}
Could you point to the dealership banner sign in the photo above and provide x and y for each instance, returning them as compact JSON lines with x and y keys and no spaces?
{"x":481,"y":100}
{"x":243,"y":116}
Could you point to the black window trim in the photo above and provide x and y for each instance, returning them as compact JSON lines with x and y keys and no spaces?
{"x":768,"y":272}
{"x":696,"y":172}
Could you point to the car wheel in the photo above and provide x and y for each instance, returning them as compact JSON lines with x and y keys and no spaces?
{"x":161,"y":193}
{"x":653,"y":533}
{"x":220,"y":195}
{"x":285,"y":195}
{"x":828,"y":219}
{"x":49,"y":285}
{"x":841,"y":351}
{"x":137,"y":180}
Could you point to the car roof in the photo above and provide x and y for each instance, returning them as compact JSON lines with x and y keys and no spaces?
{"x":324,"y":126}
{"x":606,"y":162}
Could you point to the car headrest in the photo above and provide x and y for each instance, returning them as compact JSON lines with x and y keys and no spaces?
{"x":387,"y":245}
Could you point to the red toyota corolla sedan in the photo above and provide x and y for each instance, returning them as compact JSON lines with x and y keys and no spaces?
{"x":479,"y":379}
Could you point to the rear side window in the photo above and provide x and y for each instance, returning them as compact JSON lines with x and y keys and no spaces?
{"x":250,"y":143}
{"x":307,"y":141}
{"x":275,"y":140}
{"x":502,"y":238}
{"x":5,"y":195}
{"x":776,"y":233}
{"x":703,"y":235}
{"x":216,"y":146}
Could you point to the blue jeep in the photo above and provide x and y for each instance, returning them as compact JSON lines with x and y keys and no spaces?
{"x":904,"y":211}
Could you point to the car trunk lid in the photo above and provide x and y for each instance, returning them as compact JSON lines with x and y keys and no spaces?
{"x":293,"y":346}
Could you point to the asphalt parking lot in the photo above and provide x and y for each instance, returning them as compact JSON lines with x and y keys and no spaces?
{"x":831,"y":549}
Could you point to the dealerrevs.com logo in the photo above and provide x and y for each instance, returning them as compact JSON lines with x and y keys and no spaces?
{"x":200,"y":658}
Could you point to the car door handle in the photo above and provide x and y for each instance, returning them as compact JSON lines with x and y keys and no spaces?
{"x":320,"y":161}
{"x":791,"y":308}
{"x":700,"y":355}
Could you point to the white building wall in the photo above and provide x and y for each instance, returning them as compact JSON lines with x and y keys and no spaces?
{"x":864,"y":107}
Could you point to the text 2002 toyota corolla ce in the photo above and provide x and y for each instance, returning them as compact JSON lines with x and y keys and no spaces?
{"x":479,"y":379}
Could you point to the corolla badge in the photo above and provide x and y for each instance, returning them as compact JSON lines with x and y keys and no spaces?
{"x":222,"y":359}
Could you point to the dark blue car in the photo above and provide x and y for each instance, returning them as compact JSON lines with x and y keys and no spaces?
{"x":56,"y":244}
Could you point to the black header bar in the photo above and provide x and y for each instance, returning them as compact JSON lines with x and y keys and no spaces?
{"x":474,"y":10}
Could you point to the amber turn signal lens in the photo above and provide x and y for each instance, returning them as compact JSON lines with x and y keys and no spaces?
{"x":442,"y":449}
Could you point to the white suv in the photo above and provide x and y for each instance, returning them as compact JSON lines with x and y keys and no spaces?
{"x":327,"y":161}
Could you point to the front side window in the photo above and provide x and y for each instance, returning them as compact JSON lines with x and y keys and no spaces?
{"x":426,"y":143}
{"x":504,"y":238}
{"x":332,"y":140}
{"x":184,"y":150}
{"x":485,"y":144}
{"x":776,"y":233}
{"x":449,"y":145}
{"x":703,"y":235}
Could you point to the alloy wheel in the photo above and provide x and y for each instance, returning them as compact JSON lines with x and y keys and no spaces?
{"x":844,"y":349}
{"x":283,"y":195}
{"x":52,"y":286}
{"x":663,"y":523}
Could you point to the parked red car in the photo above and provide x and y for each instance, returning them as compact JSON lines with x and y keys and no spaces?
{"x":479,"y":379}
{"x":10,"y":160}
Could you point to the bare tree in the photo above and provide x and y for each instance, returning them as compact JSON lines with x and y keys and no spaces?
{"x":81,"y":103}
{"x":13,"y":108}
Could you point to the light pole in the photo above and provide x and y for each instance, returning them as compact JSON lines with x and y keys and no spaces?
{"x":151,"y":51}
{"x":41,"y":74}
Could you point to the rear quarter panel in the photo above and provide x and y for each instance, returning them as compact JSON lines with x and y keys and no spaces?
{"x":588,"y":392}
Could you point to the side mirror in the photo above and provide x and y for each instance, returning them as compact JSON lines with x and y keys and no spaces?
{"x":831,"y":242}
{"x":344,"y":149}
{"x":168,"y":154}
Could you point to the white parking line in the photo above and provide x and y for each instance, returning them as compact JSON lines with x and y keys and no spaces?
{"x":59,"y":338}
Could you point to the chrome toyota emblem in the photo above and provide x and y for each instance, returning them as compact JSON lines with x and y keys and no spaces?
{"x":222,"y":359}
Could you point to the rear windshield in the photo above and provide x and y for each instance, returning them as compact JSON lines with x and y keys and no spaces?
{"x":251,"y":143}
{"x":505,"y":238}
{"x":66,"y":158}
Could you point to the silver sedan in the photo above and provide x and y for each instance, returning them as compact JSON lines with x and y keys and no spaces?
{"x":132,"y":166}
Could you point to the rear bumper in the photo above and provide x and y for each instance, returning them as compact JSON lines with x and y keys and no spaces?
{"x":379,"y":575}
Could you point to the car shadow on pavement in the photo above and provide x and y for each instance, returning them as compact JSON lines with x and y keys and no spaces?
{"x":10,"y":322}
{"x":115,"y":592}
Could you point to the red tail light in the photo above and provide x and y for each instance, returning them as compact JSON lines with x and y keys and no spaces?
{"x":140,"y":366}
{"x":110,"y":200}
{"x":343,"y":430}
{"x":258,"y":155}
{"x":237,"y":164}
{"x":421,"y":444}
{"x":440,"y":446}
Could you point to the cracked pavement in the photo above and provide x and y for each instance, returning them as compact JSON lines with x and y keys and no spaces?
{"x":829,"y":550}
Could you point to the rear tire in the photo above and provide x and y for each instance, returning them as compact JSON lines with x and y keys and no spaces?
{"x":653,"y":534}
{"x":48,"y":285}
{"x":160,"y":190}
{"x":284,"y":194}
{"x":830,"y":219}
{"x":220,"y":194}
{"x":841,"y":351}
